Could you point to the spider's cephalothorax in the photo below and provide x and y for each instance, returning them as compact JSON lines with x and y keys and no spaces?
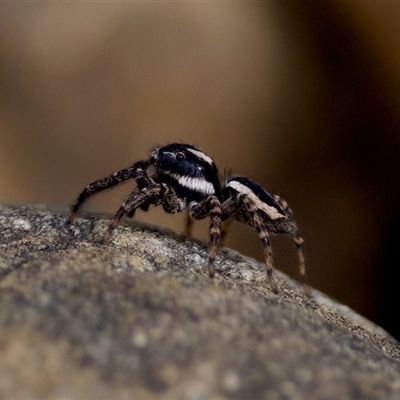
{"x":188,"y":171}
{"x":185,"y":178}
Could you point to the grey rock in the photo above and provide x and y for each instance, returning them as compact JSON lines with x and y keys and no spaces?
{"x":135,"y":316}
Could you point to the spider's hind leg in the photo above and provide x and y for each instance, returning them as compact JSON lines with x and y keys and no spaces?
{"x":258,"y":224}
{"x":299,"y":242}
{"x":291,"y":228}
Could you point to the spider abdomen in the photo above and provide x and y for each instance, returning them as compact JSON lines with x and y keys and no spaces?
{"x":262,"y":200}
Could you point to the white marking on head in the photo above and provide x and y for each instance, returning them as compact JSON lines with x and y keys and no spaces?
{"x":201,"y":155}
{"x":196,"y":184}
{"x":271,"y":211}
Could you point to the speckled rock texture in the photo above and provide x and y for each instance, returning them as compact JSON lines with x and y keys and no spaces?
{"x":136,"y":317}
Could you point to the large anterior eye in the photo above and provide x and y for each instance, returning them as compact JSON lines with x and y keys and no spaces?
{"x":180,"y":156}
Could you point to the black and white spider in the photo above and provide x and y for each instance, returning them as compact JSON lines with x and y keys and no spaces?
{"x":185,"y":178}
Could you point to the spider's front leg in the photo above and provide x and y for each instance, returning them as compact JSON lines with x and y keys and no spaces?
{"x":153,"y":194}
{"x":129,"y":206}
{"x":210,"y":206}
{"x":138,"y":170}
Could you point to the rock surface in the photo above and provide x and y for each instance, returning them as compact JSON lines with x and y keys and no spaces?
{"x":136,"y":316}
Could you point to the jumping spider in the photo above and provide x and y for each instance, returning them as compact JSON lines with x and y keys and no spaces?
{"x":185,"y":178}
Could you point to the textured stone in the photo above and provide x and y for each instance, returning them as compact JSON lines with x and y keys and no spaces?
{"x":136,"y":316}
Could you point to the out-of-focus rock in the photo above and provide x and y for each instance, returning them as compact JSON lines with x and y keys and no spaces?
{"x":136,"y":316}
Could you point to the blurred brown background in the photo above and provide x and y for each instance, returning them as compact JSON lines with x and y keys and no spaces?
{"x":303,"y":97}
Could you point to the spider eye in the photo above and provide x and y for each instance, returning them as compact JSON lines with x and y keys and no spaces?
{"x":180,"y":156}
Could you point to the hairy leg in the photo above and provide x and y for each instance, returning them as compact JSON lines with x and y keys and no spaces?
{"x":138,"y":170}
{"x":210,"y":206}
{"x":256,"y":221}
{"x":129,"y":206}
{"x":156,"y":194}
{"x":291,"y":228}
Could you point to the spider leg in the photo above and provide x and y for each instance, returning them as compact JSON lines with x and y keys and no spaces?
{"x":189,"y":228}
{"x":188,"y":225}
{"x":240,"y":205}
{"x":210,"y":206}
{"x":228,"y":207}
{"x":146,"y":204}
{"x":145,"y":207}
{"x":298,"y":241}
{"x":136,"y":171}
{"x":155,"y":193}
{"x":258,"y":223}
{"x":171,"y":203}
{"x":129,"y":206}
{"x":148,"y":195}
